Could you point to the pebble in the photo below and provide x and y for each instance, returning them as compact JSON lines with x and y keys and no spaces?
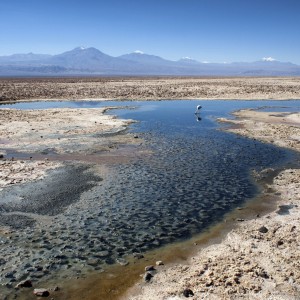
{"x":149,"y":268}
{"x":263,"y":229}
{"x":41,"y":292}
{"x":159,"y":263}
{"x":147,"y":277}
{"x":188,"y":293}
{"x":24,"y":283}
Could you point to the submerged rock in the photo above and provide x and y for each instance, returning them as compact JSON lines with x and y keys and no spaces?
{"x":24,"y":283}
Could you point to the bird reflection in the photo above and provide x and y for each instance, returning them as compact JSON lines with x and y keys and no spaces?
{"x":198,"y":118}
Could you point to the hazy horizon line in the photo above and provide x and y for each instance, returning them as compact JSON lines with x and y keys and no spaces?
{"x":262,"y":59}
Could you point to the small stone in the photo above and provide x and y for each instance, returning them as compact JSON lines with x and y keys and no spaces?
{"x":41,"y":292}
{"x":279,"y":243}
{"x":263,"y":229}
{"x":148,"y":276}
{"x":159,"y":263}
{"x":24,"y":283}
{"x":149,"y":268}
{"x":188,"y":293}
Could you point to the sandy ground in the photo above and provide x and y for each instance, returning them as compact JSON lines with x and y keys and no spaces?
{"x":17,"y":172}
{"x":281,"y":129}
{"x":152,"y":88}
{"x":260,"y":258}
{"x":41,"y":135}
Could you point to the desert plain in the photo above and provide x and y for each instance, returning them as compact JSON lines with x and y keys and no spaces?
{"x":149,"y":88}
{"x":257,"y":259}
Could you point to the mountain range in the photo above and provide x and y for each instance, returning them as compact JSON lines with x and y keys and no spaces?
{"x":92,"y":62}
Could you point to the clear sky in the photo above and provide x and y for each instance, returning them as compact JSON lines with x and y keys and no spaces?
{"x":206,"y":30}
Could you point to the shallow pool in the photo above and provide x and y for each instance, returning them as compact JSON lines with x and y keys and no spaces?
{"x":195,"y":174}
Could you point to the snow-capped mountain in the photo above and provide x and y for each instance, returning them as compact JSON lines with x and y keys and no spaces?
{"x":91,"y":61}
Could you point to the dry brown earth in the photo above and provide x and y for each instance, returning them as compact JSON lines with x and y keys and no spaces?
{"x":152,"y":88}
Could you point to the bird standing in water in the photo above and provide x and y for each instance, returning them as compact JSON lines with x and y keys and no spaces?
{"x":198,"y":107}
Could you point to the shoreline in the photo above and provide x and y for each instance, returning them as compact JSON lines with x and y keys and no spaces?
{"x":258,"y":258}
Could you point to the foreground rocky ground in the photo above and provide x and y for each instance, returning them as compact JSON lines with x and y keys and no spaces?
{"x":149,"y":88}
{"x":260,"y":258}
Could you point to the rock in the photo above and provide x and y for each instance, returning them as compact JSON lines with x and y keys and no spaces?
{"x":9,"y":275}
{"x":279,"y":243}
{"x":41,"y":292}
{"x":263,"y":229}
{"x":24,"y":283}
{"x":148,"y":276}
{"x":149,"y":268}
{"x":188,"y":293}
{"x":159,"y":263}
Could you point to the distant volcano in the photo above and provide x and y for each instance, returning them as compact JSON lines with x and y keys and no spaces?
{"x":91,"y":61}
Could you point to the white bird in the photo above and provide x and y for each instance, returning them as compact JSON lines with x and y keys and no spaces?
{"x":198,"y":107}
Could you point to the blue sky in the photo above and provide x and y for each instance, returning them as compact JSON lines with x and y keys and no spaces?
{"x":206,"y":30}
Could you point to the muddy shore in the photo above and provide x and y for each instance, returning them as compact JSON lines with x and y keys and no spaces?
{"x":152,"y":88}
